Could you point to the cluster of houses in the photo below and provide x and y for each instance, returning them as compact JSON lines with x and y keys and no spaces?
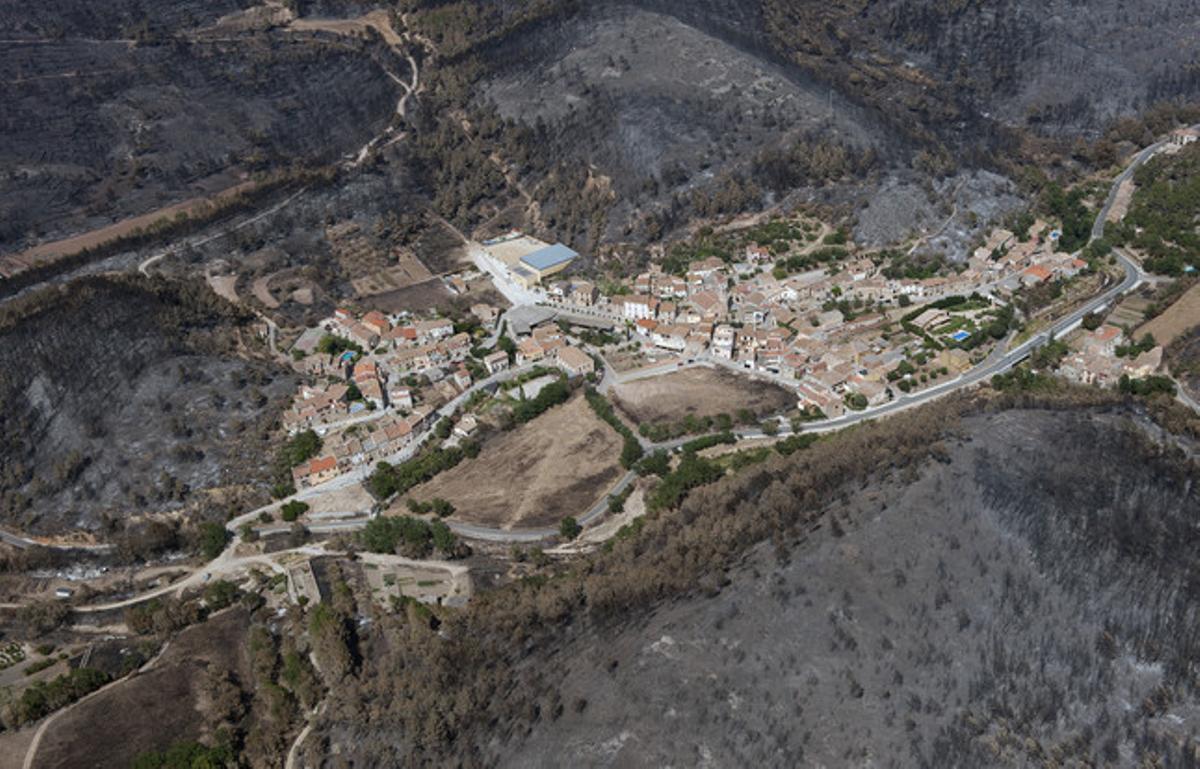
{"x":748,"y":316}
{"x":1094,"y":359}
{"x":744,"y":313}
{"x":395,"y":350}
{"x":371,"y":405}
{"x":1012,"y":264}
{"x":361,"y":445}
{"x":678,"y":311}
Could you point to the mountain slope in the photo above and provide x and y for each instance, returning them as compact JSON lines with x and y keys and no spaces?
{"x":1018,"y":585}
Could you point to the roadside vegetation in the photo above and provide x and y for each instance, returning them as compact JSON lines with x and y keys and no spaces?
{"x":388,"y":480}
{"x":1161,"y":223}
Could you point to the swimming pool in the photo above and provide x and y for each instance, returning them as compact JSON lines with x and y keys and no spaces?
{"x":960,"y":335}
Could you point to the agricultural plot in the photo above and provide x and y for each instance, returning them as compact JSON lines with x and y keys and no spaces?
{"x":698,"y":392}
{"x":535,"y":475}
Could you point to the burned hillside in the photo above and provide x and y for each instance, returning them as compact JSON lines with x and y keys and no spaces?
{"x":1000,"y":590}
{"x":97,"y":131}
{"x":123,"y":395}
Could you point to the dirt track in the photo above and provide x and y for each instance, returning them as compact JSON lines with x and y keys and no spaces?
{"x":539,"y":473}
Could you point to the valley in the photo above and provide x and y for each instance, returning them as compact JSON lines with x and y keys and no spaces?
{"x":623,"y":383}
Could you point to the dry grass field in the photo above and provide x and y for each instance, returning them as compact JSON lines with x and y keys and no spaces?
{"x":557,"y":465}
{"x":1177,"y":318}
{"x":151,"y":710}
{"x":698,"y":392}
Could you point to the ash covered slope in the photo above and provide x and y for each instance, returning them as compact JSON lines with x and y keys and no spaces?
{"x":714,"y":107}
{"x":1057,"y":66}
{"x":118,"y":114}
{"x":119,"y":395}
{"x":1033,"y":596}
{"x":1027,"y":593}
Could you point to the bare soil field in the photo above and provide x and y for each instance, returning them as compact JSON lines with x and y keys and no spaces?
{"x":262,"y":292}
{"x":1177,"y":318}
{"x":623,"y":361}
{"x":409,"y":271}
{"x":536,"y":475}
{"x":14,"y":746}
{"x":1130,"y":312}
{"x":224,"y":286}
{"x":422,"y":296}
{"x":697,"y":392}
{"x":377,"y":20}
{"x":1124,"y":197}
{"x":151,"y":710}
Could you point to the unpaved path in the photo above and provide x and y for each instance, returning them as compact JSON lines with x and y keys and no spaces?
{"x":381,"y":22}
{"x":953,"y":213}
{"x":154,"y":259}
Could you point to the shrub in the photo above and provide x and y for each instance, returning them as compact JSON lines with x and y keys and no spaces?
{"x":693,"y":471}
{"x":631,"y":451}
{"x":657,"y":463}
{"x":185,"y":755}
{"x":413,"y":537}
{"x":300,"y":448}
{"x":45,"y":697}
{"x":211,"y":539}
{"x":389,"y":480}
{"x":293,"y":510}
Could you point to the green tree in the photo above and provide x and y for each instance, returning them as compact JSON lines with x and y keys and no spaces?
{"x":658,"y":463}
{"x":293,"y":510}
{"x":569,"y":528}
{"x":211,"y":539}
{"x":300,"y":448}
{"x":221,"y":593}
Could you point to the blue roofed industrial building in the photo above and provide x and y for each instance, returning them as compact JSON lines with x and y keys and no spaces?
{"x":528,"y":260}
{"x":546,"y":262}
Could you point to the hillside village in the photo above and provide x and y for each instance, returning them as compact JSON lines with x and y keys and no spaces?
{"x":843,"y":336}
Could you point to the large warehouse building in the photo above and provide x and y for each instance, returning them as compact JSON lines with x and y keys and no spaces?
{"x":543,"y":263}
{"x":529,"y":260}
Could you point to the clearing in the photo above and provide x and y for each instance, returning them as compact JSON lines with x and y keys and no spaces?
{"x":1120,"y":205}
{"x":535,"y":475}
{"x":698,"y":392}
{"x":1177,"y":318}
